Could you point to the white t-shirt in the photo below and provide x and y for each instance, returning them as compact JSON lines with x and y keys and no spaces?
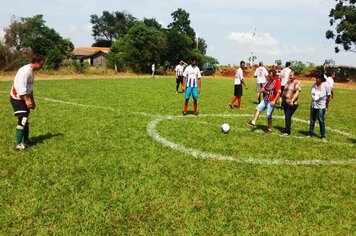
{"x":23,"y":82}
{"x":239,"y":76}
{"x":261,"y":74}
{"x":192,"y":74}
{"x":285,"y":75}
{"x":330,"y":82}
{"x":180,"y":70}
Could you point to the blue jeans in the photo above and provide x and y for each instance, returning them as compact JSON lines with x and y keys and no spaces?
{"x":320,"y":114}
{"x":263,"y":105}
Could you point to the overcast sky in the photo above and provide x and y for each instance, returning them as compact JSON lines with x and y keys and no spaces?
{"x":286,"y":30}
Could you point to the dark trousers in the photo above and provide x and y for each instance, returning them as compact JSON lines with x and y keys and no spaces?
{"x":288,"y":113}
{"x":179,"y":81}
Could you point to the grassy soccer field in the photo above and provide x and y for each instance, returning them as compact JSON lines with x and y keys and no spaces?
{"x":116,"y":156}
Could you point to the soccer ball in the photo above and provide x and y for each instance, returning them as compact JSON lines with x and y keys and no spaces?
{"x":225,"y":128}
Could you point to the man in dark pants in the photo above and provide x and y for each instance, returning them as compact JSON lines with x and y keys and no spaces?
{"x":22,"y":100}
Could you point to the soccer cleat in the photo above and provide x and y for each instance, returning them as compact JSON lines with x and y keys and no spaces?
{"x":323,"y":139}
{"x":20,"y":147}
{"x":269,"y":130}
{"x":250,"y":123}
{"x":184,"y":113}
{"x":285,"y":134}
{"x":231,"y":106}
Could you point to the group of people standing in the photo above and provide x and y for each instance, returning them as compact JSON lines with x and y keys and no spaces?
{"x":287,"y":88}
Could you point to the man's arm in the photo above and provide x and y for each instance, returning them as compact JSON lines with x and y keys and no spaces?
{"x":199,"y":85}
{"x":29,"y":100}
{"x":183,"y":84}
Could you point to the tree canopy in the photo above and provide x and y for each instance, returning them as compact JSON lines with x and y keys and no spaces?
{"x":111,"y":26}
{"x":31,"y":33}
{"x":344,"y":17}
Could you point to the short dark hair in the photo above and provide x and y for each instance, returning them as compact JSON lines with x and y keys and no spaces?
{"x":37,"y":58}
{"x":274,"y":72}
{"x":288,"y":63}
{"x":321,"y":76}
{"x":242,"y":62}
{"x":193,"y":59}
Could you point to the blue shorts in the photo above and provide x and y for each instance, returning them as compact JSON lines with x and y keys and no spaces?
{"x":191,"y":91}
{"x":265,"y":104}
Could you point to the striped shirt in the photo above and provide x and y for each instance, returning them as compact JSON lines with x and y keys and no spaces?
{"x":192,"y":75}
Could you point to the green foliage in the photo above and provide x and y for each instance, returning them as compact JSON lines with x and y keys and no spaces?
{"x":32,"y":33}
{"x":344,"y":16}
{"x":211,"y":62}
{"x":181,"y":23}
{"x":111,"y":26}
{"x":278,"y":62}
{"x":94,"y":170}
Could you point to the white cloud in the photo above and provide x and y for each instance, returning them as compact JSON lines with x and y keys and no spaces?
{"x":264,"y":43}
{"x":72,"y":29}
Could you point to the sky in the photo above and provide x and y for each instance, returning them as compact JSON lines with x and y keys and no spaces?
{"x":233,"y":29}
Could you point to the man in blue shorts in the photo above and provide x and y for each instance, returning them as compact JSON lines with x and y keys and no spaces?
{"x":191,"y":85}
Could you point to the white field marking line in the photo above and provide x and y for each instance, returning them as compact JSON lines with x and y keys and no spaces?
{"x":89,"y":106}
{"x":282,"y":136}
{"x":152,"y":131}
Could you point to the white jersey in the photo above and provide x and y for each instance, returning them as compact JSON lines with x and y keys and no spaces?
{"x":285,"y":75}
{"x":23,"y":82}
{"x":179,"y":70}
{"x":239,"y":76}
{"x":192,"y":74}
{"x":261,"y":74}
{"x":330,"y":82}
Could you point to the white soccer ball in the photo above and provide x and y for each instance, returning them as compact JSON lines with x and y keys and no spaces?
{"x":225,"y":128}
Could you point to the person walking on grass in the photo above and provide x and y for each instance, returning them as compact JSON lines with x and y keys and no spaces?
{"x":22,"y":100}
{"x":284,"y":76}
{"x":179,"y":73}
{"x":290,"y":100}
{"x":191,"y":85}
{"x":153,"y":69}
{"x":238,"y":81}
{"x":320,"y":94}
{"x":272,"y":90}
{"x":330,"y":77}
{"x":260,"y":73}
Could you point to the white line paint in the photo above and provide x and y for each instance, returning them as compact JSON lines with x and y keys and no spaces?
{"x":152,"y":131}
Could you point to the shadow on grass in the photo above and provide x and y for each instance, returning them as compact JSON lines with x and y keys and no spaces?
{"x":41,"y":138}
{"x":352,"y":140}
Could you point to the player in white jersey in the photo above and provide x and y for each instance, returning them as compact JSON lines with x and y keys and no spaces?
{"x":260,"y":73}
{"x":284,"y":77}
{"x":238,"y":81}
{"x":191,"y":85}
{"x":330,"y":76}
{"x":179,"y":73}
{"x":22,"y":100}
{"x":153,"y":69}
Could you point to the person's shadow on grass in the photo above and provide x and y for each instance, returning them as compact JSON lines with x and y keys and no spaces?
{"x":41,"y":138}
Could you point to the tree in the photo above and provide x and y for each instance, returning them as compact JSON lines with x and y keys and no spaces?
{"x":152,"y":23}
{"x":111,"y":26}
{"x":181,"y":23}
{"x":179,"y":47}
{"x":278,"y":62}
{"x":141,"y":46}
{"x":201,"y":45}
{"x":31,"y":33}
{"x":344,"y":16}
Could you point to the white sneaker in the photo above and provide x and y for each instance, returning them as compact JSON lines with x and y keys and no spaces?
{"x":20,"y":147}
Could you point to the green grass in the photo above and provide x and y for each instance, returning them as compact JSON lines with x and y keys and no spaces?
{"x":96,"y":170}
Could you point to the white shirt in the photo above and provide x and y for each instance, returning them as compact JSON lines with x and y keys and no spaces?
{"x":285,"y":75}
{"x":239,"y":76}
{"x":192,"y":74}
{"x":261,"y":74}
{"x":319,"y":97}
{"x":23,"y":82}
{"x":330,"y":82}
{"x":180,"y":70}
